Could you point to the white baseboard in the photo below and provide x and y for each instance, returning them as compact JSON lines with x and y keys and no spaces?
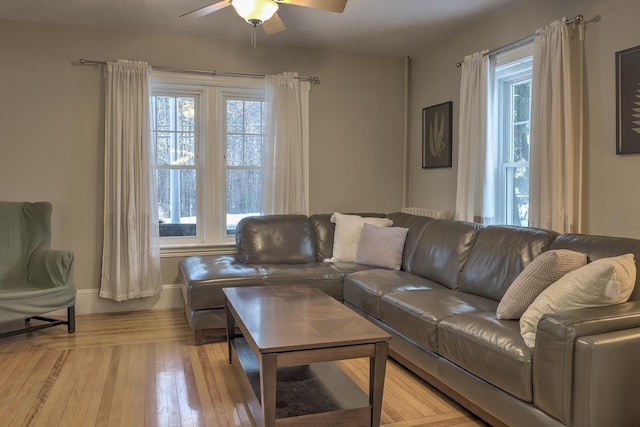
{"x":88,"y":302}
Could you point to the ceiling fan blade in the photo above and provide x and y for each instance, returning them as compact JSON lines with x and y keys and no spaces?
{"x":208,"y":9}
{"x":329,"y":5}
{"x":273,"y":25}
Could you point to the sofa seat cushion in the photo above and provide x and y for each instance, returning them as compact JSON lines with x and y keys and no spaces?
{"x":365,"y":288}
{"x":203,"y":278}
{"x":417,"y":313}
{"x":319,"y":274}
{"x":489,"y":348}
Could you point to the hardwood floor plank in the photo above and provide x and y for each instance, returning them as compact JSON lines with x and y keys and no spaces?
{"x":96,"y":387}
{"x":33,"y":394}
{"x":107,"y":405}
{"x":140,"y":369}
{"x":75,"y":412}
{"x":16,"y":373}
{"x":61,"y":392}
{"x":199,"y":376}
{"x":150,"y":412}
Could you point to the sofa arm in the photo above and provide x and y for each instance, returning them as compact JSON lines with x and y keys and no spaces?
{"x":606,"y":381}
{"x":553,"y":365}
{"x":50,"y":268}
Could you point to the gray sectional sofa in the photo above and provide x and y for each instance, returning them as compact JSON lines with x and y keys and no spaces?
{"x":440,"y":309}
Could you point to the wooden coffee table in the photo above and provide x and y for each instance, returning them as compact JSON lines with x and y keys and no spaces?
{"x":290,"y":336}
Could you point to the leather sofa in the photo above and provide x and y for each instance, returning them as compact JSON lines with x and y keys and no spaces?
{"x":440,"y":309}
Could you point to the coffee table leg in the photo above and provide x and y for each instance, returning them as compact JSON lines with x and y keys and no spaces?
{"x":377,"y":370}
{"x":268,"y":371}
{"x":231,"y":327}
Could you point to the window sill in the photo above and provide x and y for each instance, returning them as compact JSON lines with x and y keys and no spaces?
{"x":184,"y":250}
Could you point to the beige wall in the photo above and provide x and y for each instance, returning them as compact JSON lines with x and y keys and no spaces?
{"x":612,"y":195}
{"x":51,"y":122}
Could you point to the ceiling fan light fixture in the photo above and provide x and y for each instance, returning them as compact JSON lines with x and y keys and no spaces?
{"x":255,"y":12}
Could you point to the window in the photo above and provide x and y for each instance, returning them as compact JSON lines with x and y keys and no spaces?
{"x":512,"y":85}
{"x":208,"y":136}
{"x":244,"y":131}
{"x":174,"y":136}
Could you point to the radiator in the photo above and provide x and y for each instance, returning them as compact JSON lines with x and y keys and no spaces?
{"x":433,"y":213}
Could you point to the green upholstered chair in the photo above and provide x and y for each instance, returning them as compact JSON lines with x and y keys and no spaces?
{"x":34,"y":279}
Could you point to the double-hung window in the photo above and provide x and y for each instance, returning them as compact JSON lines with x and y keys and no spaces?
{"x":208,"y":137}
{"x":511,"y":126}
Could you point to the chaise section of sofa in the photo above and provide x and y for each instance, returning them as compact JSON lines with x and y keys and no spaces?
{"x":271,"y":250}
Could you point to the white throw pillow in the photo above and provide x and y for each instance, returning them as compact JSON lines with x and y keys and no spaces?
{"x":381,"y":246}
{"x":347,"y":234}
{"x":605,"y":281}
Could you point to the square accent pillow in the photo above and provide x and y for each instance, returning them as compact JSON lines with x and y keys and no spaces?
{"x":381,"y":246}
{"x":605,"y":281}
{"x":347,"y":234}
{"x":545,"y":269}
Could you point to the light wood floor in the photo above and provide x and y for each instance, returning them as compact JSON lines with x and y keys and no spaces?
{"x":140,"y":369}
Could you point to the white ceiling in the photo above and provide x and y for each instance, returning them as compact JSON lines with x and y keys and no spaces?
{"x":390,"y":27}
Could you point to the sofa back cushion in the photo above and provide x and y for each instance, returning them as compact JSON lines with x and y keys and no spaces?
{"x":443,"y":249}
{"x":597,"y":247}
{"x":415,"y":224}
{"x":499,"y":255}
{"x":276,"y":239}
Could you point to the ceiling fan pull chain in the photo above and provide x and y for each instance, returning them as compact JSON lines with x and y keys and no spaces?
{"x":253,"y":36}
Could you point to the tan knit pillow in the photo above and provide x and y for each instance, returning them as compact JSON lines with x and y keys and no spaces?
{"x":535,"y":278}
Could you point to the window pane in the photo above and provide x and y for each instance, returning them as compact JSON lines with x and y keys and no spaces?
{"x":518,"y":209}
{"x":163,"y":112}
{"x":164,"y":145}
{"x":521,"y":142}
{"x":177,"y":202}
{"x":186,"y":114}
{"x":235,"y":116}
{"x":252,"y":150}
{"x":243,"y":195}
{"x":234,"y":150}
{"x":253,"y":117}
{"x":521,"y":101}
{"x":186,"y":152}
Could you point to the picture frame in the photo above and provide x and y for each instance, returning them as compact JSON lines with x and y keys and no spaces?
{"x":436,"y":136}
{"x":628,"y":101}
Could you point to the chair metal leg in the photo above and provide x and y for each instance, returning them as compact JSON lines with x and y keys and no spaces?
{"x":49,"y":322}
{"x":71,"y":319}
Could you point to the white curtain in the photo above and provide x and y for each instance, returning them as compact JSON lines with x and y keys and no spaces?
{"x":473,"y":192}
{"x":283,"y":189}
{"x":557,"y":129}
{"x":130,"y":253}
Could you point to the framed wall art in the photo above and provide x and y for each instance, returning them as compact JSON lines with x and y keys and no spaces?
{"x":436,"y":136}
{"x":628,"y":101}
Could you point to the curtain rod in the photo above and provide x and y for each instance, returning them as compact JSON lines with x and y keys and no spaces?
{"x":527,"y":39}
{"x":313,"y":79}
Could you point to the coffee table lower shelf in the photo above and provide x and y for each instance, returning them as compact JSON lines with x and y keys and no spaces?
{"x":306,"y":395}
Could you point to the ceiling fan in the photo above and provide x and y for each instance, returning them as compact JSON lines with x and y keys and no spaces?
{"x":265,"y":12}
